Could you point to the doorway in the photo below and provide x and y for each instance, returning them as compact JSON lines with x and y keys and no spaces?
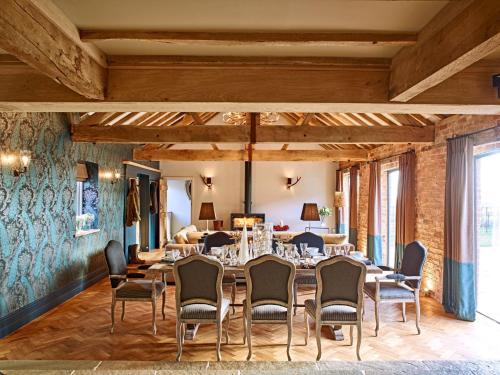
{"x":487,"y":223}
{"x":179,"y":203}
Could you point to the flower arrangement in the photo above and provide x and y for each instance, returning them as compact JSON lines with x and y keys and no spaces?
{"x":84,"y":221}
{"x":280,"y":228}
{"x":324,"y":212}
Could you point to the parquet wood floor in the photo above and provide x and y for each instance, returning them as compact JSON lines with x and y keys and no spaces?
{"x":79,"y":329}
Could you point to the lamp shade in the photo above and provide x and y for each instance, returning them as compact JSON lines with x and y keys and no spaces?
{"x":81,"y":172}
{"x":207,"y":211}
{"x":339,"y":199}
{"x":310,"y":212}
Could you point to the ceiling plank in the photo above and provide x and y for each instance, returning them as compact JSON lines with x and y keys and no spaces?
{"x":471,"y":36}
{"x":29,"y":34}
{"x":257,"y":155}
{"x":241,"y":134}
{"x":255,"y":38}
{"x":285,"y":147}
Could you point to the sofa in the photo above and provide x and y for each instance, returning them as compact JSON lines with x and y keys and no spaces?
{"x":190,"y":235}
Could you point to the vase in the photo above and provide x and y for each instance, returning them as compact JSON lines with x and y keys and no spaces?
{"x":323,"y":224}
{"x":244,"y":253}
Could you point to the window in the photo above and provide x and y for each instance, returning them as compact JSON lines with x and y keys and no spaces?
{"x":346,"y":183}
{"x":392,"y":195}
{"x":86,"y":197}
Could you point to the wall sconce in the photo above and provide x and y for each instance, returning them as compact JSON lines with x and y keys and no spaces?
{"x":112,"y":176}
{"x":290,"y":183}
{"x":208,"y":182}
{"x":18,"y":161}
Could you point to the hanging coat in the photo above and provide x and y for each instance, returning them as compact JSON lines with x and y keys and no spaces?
{"x":133,"y":211}
{"x":153,"y":197}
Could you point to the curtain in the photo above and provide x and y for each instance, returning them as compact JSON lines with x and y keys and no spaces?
{"x":374,"y":242}
{"x":405,"y":205}
{"x":132,"y":213}
{"x":153,"y":197}
{"x":339,"y":211}
{"x":459,"y":288}
{"x":353,"y":206}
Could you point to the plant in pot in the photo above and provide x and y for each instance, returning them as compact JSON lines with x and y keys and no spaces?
{"x":324,"y":212}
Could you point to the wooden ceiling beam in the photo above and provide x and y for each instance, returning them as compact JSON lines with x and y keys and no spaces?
{"x":469,"y":37}
{"x":328,"y":39}
{"x":247,"y":90}
{"x":31,"y":34}
{"x":241,"y":134}
{"x":257,"y":155}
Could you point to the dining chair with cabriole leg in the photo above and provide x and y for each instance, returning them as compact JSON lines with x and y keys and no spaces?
{"x":124,"y":288}
{"x":401,"y":287}
{"x":269,"y":298}
{"x":339,"y":297}
{"x":199,"y":298}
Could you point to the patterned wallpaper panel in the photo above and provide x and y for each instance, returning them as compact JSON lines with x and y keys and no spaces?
{"x":38,"y":250}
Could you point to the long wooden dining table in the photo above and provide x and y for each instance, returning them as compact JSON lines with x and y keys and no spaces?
{"x":238,"y":270}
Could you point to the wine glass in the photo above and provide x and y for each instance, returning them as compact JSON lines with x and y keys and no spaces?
{"x":280,"y":250}
{"x":303,"y":249}
{"x":175,"y":254}
{"x":199,"y":247}
{"x":232,"y":255}
{"x":327,"y":250}
{"x":288,"y":252}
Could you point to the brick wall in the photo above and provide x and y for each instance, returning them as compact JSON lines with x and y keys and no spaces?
{"x":430,"y":189}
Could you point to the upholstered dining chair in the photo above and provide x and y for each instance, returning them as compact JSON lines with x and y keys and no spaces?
{"x":312,"y":240}
{"x":124,"y":289}
{"x":199,"y":298}
{"x":403,"y":287}
{"x":219,"y":239}
{"x":269,"y":296}
{"x":339,"y":297}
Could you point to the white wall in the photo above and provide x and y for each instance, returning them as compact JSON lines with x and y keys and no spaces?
{"x":178,"y":203}
{"x":269,"y":193}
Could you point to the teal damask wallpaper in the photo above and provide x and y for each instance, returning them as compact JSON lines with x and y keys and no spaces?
{"x":38,"y":251}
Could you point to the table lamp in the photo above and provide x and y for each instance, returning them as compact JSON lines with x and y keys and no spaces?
{"x":310,"y":213}
{"x":207,"y":212}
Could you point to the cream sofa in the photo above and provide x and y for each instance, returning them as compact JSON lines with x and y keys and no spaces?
{"x":190,"y":235}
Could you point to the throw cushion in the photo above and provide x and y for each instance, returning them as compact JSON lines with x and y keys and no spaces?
{"x":193,"y":237}
{"x":334,"y":239}
{"x":179,"y":238}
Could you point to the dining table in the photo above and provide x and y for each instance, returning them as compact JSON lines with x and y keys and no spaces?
{"x":302,"y":269}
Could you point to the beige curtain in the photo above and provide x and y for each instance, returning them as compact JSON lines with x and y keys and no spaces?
{"x":459,"y":286}
{"x":353,"y":206}
{"x":374,"y":240}
{"x":405,"y":205}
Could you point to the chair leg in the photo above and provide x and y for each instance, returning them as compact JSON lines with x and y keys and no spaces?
{"x":219,"y":334}
{"x":244,"y":326}
{"x":163,"y":297}
{"x":295,"y":287}
{"x":359,"y":336}
{"x":249,"y":338}
{"x":153,"y":305}
{"x":306,"y":322}
{"x":351,"y":330}
{"x":233,"y":296}
{"x":228,"y":320}
{"x":403,"y":311}
{"x":289,"y":341}
{"x":183,"y":332}
{"x":123,"y":311}
{"x":178,"y":333}
{"x":417,"y":311}
{"x":318,"y":339}
{"x":377,"y":303}
{"x":113,"y":304}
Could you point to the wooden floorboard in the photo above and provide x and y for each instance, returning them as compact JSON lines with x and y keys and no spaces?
{"x":79,"y":330}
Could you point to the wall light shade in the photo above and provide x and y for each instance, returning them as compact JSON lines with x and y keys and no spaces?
{"x":338,"y":200}
{"x":81,"y":172}
{"x":290,"y":183}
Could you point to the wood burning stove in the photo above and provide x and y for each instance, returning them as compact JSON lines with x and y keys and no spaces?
{"x":237,"y":220}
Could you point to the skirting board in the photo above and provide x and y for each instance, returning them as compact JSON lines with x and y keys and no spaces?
{"x":33,"y":310}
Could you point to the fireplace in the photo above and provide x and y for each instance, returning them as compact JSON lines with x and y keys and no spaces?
{"x":237,"y":220}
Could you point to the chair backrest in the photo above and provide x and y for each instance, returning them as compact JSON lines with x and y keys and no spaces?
{"x":198,"y":279}
{"x":312,"y":240}
{"x":217,"y":239}
{"x":340,"y":282}
{"x":269,"y":280}
{"x":414,"y":256}
{"x":115,"y":260}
